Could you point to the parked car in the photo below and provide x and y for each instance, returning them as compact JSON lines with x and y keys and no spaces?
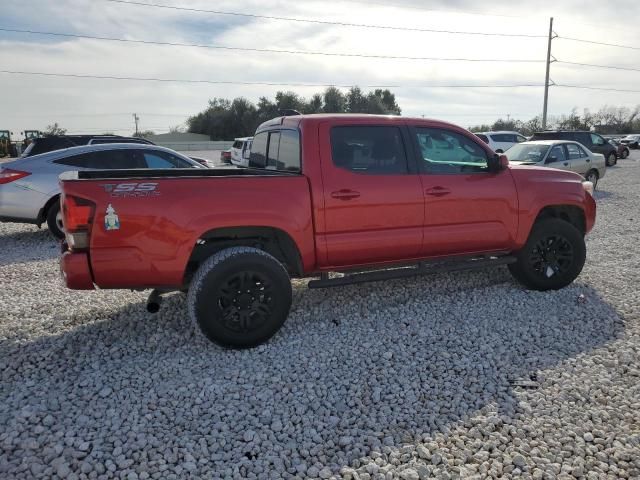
{"x":30,"y":190}
{"x":225,"y":156}
{"x":323,"y":193}
{"x":621,"y":148}
{"x":594,"y":142}
{"x":49,"y":144}
{"x":499,"y":142}
{"x":631,"y":141}
{"x":560,"y":154}
{"x":240,"y":151}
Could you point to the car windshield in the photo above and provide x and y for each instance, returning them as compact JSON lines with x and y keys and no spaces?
{"x":523,"y":152}
{"x":631,"y":137}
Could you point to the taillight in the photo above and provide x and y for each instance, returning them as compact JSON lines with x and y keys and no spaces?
{"x":8,"y":175}
{"x":77,"y":218}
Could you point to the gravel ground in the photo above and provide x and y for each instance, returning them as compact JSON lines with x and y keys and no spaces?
{"x":450,"y":376}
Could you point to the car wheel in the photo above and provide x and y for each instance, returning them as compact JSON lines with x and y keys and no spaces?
{"x":552,"y":258}
{"x":592,"y":176}
{"x":54,"y":220}
{"x":624,"y":154}
{"x":611,"y":159}
{"x":240,"y":297}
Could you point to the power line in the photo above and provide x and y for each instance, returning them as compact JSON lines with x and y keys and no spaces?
{"x":278,"y":84}
{"x":323,"y":22}
{"x":267,"y":50}
{"x":422,"y":9}
{"x":596,"y":88}
{"x":613,"y":67}
{"x":594,"y":42}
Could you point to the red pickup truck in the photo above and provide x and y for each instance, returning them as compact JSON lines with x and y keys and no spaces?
{"x":369,"y":197}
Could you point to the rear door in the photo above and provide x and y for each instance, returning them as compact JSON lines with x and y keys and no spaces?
{"x":374,"y":206}
{"x":467,"y":208}
{"x":579,"y":161}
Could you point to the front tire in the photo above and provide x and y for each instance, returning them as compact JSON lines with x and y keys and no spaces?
{"x":54,"y":220}
{"x":240,"y":297}
{"x":552,"y":258}
{"x":612,"y":159}
{"x":592,"y":176}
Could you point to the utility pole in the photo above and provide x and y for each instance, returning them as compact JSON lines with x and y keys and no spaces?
{"x":546,"y":81}
{"x":136,"y":119}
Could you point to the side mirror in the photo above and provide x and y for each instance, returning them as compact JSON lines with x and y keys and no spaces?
{"x":497,"y":163}
{"x":551,"y":159}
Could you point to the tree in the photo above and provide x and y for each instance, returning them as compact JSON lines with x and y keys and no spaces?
{"x":176,"y":129}
{"x":314,"y":105}
{"x":357,"y":101}
{"x":143,"y":134}
{"x":289,"y":101}
{"x":334,"y":101}
{"x":53,"y":130}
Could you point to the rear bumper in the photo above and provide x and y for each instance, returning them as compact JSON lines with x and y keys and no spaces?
{"x":75,"y":270}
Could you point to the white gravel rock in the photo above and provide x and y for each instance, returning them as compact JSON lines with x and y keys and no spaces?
{"x":461,"y":375}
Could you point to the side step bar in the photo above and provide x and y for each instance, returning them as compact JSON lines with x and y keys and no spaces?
{"x":423,"y":268}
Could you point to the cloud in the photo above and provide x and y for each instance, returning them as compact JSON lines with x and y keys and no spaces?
{"x":82,"y":104}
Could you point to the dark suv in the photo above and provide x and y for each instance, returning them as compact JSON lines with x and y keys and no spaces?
{"x":49,"y":144}
{"x":594,"y":142}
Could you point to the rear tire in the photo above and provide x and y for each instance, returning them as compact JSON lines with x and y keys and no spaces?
{"x":592,"y":176}
{"x":552,"y":258}
{"x":612,"y":159}
{"x":624,"y":154}
{"x":54,"y":220}
{"x":240,"y":297}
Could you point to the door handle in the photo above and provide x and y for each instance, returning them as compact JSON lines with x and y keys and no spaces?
{"x":345,"y":194}
{"x":566,"y":164}
{"x":437,"y":191}
{"x":588,"y":160}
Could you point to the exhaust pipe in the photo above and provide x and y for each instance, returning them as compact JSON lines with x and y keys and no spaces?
{"x":154,"y":301}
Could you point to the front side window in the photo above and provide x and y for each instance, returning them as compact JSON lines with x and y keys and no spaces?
{"x":258,"y":157}
{"x":369,"y":150}
{"x":520,"y":139}
{"x":163,"y":160}
{"x":272,"y":150}
{"x":447,"y":152}
{"x":556,"y":155}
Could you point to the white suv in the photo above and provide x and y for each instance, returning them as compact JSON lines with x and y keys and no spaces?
{"x":501,"y":141}
{"x":240,"y":151}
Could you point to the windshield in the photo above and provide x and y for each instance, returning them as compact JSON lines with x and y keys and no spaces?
{"x":523,"y":152}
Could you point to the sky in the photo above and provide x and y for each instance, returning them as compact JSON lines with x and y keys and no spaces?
{"x":422,"y":87}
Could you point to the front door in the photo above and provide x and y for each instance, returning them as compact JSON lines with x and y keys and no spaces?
{"x":374,"y":206}
{"x":467,"y":208}
{"x":558,"y":158}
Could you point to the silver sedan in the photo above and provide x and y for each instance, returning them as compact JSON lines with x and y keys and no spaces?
{"x":29,"y":189}
{"x":560,"y":154}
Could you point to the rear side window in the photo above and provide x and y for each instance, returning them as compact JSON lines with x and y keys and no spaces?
{"x":276,"y":150}
{"x":80,"y":161}
{"x":575,"y":151}
{"x":504,"y":138}
{"x":369,"y":150}
{"x":105,"y":160}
